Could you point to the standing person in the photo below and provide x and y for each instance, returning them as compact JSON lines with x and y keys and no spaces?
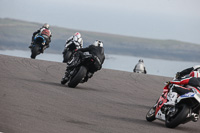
{"x":96,"y":50}
{"x":45,"y":32}
{"x":139,"y":67}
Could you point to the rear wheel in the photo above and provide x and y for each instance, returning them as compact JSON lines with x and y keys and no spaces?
{"x":35,"y":51}
{"x":173,"y":121}
{"x":151,"y":114}
{"x":78,"y":77}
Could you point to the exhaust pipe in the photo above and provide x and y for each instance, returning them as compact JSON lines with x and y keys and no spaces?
{"x":195,"y":117}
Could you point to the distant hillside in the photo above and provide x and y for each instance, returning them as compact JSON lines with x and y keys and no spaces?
{"x":16,"y":34}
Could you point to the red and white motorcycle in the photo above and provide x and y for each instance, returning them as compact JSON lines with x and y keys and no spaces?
{"x":186,"y":109}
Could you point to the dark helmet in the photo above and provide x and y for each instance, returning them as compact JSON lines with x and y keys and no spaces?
{"x":141,"y":60}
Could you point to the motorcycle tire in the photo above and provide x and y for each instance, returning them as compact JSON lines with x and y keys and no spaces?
{"x":179,"y":117}
{"x":151,"y":114}
{"x":67,"y":56}
{"x":78,"y":77}
{"x":35,"y":51}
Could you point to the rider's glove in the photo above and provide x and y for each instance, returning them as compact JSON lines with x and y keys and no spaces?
{"x":169,"y":84}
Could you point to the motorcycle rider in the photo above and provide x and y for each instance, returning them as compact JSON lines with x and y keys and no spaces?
{"x":76,"y":39}
{"x":182,"y":86}
{"x":45,"y":32}
{"x":187,"y":71}
{"x":96,"y":50}
{"x":139,"y":67}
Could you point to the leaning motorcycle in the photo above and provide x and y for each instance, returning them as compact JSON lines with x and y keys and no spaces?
{"x":68,"y":52}
{"x":81,"y":68}
{"x":186,"y":109}
{"x":38,"y":45}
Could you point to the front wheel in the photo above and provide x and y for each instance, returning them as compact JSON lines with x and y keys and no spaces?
{"x":78,"y":77}
{"x":176,"y":119}
{"x":67,"y":56}
{"x":151,"y":114}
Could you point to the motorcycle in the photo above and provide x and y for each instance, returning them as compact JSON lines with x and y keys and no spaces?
{"x":38,"y":46}
{"x":186,"y":109}
{"x":81,"y":68}
{"x":68,"y":52}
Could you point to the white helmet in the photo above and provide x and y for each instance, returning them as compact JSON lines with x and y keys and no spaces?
{"x":77,"y":38}
{"x":46,"y":26}
{"x":141,"y":60}
{"x":196,"y":68}
{"x":78,"y":35}
{"x":98,"y":43}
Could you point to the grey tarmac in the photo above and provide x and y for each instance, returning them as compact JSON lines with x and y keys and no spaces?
{"x":32,"y":100}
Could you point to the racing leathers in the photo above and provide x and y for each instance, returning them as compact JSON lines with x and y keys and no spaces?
{"x":77,"y":41}
{"x":187,"y":71}
{"x":97,"y":53}
{"x":180,"y":87}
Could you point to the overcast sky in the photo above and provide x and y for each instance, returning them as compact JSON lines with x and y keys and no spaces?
{"x":157,"y":19}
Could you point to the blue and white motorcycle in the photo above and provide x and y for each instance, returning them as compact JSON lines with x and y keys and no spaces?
{"x":186,"y":109}
{"x":38,"y":46}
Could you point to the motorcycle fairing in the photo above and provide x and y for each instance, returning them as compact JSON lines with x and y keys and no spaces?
{"x":39,"y":36}
{"x":189,"y":95}
{"x":160,"y":115}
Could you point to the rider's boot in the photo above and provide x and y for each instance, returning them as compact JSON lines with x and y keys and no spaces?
{"x":65,"y":79}
{"x":31,"y":45}
{"x":90,"y":75}
{"x":172,"y":96}
{"x":42,"y":51}
{"x":45,"y":47}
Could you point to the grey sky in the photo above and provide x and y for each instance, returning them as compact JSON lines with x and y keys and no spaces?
{"x":159,"y":19}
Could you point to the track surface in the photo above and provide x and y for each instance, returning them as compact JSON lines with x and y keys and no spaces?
{"x":32,"y":100}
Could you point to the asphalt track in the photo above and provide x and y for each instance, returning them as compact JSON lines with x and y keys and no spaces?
{"x":32,"y":100}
